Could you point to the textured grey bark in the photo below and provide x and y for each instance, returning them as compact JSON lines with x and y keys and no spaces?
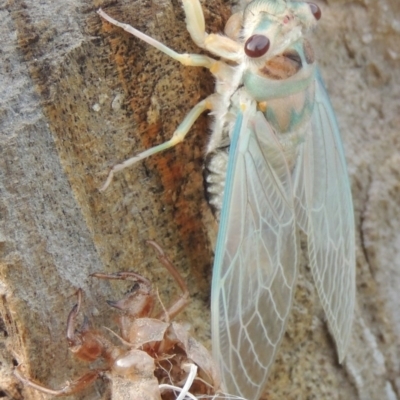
{"x":78,"y":96}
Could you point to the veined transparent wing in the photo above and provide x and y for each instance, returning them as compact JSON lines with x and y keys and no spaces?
{"x":325,"y":212}
{"x":255,"y":265}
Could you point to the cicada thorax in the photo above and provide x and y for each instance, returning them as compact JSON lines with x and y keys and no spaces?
{"x":283,"y":89}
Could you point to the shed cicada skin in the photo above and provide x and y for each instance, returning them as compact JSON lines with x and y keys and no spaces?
{"x":155,"y":359}
{"x":274,"y":164}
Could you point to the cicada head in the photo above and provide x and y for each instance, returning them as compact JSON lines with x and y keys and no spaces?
{"x":270,"y":27}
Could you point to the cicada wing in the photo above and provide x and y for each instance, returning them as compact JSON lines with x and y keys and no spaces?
{"x":255,"y":265}
{"x":325,"y":212}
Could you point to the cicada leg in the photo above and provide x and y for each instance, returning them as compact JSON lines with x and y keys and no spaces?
{"x":86,"y":343}
{"x":70,"y":387}
{"x":220,"y":45}
{"x":139,"y":303}
{"x":175,"y":308}
{"x":177,"y":137}
{"x":194,"y":60}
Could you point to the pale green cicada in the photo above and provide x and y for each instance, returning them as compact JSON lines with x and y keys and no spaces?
{"x":275,"y":163}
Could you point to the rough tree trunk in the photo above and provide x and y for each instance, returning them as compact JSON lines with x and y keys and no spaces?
{"x":79,"y":96}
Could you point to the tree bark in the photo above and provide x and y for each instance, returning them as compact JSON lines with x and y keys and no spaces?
{"x":79,"y":96}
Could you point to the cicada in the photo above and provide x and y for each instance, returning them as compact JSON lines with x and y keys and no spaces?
{"x":275,"y":164}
